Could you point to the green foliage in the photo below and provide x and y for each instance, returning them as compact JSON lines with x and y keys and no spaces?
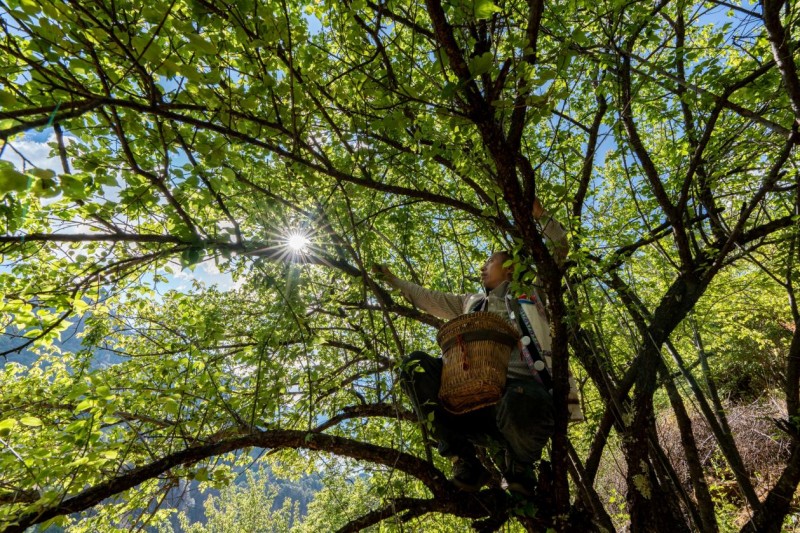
{"x":194,"y":138}
{"x":244,"y":507}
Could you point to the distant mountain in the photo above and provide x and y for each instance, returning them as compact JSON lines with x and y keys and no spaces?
{"x":70,"y":342}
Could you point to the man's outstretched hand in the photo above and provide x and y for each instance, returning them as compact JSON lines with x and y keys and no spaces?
{"x":382,"y":273}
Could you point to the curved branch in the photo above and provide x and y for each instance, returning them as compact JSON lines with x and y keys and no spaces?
{"x":395,"y":506}
{"x":280,"y":439}
{"x":381,"y":9}
{"x":368,"y":410}
{"x":91,"y":237}
{"x":492,"y":503}
{"x":16,"y":497}
{"x":78,"y":109}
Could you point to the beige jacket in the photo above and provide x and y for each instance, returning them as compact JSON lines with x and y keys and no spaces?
{"x":499,"y":301}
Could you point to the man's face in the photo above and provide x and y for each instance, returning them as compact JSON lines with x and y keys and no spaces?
{"x":492,"y":271}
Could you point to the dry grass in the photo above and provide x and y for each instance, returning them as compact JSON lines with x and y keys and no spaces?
{"x":763,"y":447}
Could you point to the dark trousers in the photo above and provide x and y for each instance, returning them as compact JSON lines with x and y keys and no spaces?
{"x":521,"y":422}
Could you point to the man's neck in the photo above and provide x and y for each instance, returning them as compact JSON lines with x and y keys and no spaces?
{"x":500,"y":290}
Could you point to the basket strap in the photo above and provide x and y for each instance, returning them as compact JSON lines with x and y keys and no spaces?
{"x":464,"y":360}
{"x":480,"y":304}
{"x":481,"y":335}
{"x":531,"y":356}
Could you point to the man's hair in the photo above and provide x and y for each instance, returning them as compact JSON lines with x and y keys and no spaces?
{"x":505,"y":253}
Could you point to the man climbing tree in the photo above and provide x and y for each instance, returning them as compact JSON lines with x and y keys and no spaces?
{"x":522,"y":422}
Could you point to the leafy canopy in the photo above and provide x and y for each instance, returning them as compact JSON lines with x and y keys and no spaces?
{"x":192,"y":133}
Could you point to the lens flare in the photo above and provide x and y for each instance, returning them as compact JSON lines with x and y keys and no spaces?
{"x":297,"y":242}
{"x":293,"y":243}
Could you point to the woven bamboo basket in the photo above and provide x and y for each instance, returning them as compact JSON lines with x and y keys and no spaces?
{"x":476,"y":348}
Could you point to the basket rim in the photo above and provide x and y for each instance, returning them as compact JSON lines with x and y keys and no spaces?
{"x":484,"y":319}
{"x":475,"y":335}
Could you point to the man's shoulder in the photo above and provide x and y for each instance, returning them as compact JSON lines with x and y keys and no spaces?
{"x":470,"y":299}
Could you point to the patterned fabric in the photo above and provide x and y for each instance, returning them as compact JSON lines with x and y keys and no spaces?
{"x":542,"y":341}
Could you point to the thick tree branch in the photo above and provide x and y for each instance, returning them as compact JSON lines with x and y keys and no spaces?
{"x":78,"y":109}
{"x":517,"y":125}
{"x":779,"y":40}
{"x":368,"y":410}
{"x":588,"y":159}
{"x":444,"y":35}
{"x":285,"y":439}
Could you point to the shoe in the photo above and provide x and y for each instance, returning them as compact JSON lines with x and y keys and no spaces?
{"x":469,"y":475}
{"x":520,"y":479}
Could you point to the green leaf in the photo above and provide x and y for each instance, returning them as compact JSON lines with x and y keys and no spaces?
{"x":59,"y":521}
{"x":44,"y":187}
{"x":6,"y":426}
{"x":191,"y":256}
{"x":481,"y":64}
{"x":85,"y":405}
{"x":484,"y":9}
{"x":43,"y":173}
{"x":168,"y":68}
{"x":7,"y":99}
{"x":201,"y":474}
{"x":171,"y":407}
{"x":190,"y":72}
{"x":31,"y":421}
{"x":13,"y":180}
{"x":32,"y":333}
{"x":30,"y":7}
{"x":580,"y":37}
{"x":79,"y":305}
{"x":109,"y":454}
{"x":201,"y":45}
{"x":546,"y":74}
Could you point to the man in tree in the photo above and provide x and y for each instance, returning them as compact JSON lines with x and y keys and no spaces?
{"x":522,"y":421}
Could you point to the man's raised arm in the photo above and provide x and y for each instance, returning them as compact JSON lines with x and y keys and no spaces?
{"x":552,"y":230}
{"x":440,"y":304}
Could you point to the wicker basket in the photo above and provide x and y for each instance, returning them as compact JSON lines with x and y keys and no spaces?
{"x":476,"y":348}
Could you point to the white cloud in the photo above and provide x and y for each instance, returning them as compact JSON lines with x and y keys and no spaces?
{"x":209,"y":267}
{"x":36,"y":153}
{"x":184,"y":274}
{"x":206,"y":272}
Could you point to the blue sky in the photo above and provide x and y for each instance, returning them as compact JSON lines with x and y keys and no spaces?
{"x":33,"y":146}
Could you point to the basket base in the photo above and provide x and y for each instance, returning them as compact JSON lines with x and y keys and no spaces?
{"x":471,"y":397}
